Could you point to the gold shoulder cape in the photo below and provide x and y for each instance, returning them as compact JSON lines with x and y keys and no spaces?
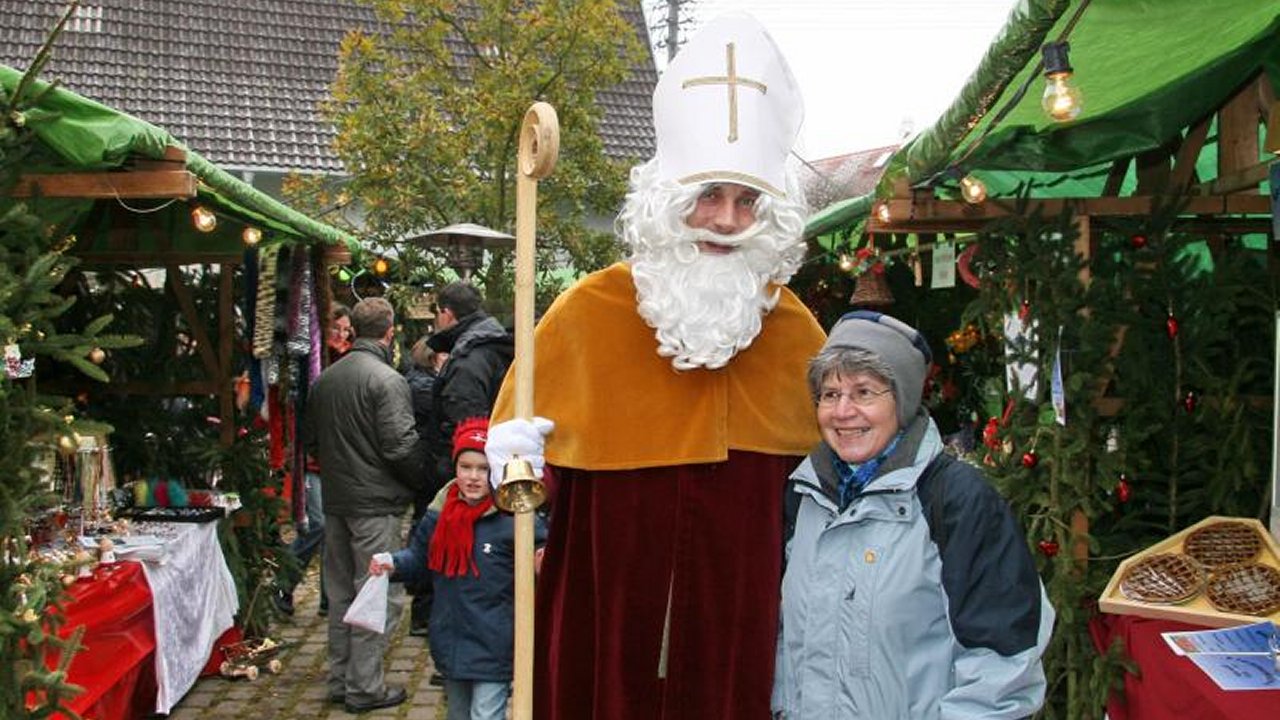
{"x":618,"y":405}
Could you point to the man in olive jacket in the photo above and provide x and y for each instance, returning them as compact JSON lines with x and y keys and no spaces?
{"x":359,"y":425}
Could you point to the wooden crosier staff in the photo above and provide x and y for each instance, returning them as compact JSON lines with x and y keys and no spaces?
{"x":520,"y":491}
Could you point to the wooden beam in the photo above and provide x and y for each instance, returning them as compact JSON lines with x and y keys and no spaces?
{"x":175,"y":389}
{"x":1237,"y":180}
{"x":126,"y":185}
{"x":1115,"y":177}
{"x":1153,"y":171}
{"x":1184,"y":162}
{"x":226,"y":328}
{"x":177,"y":283}
{"x":154,"y":259}
{"x":173,"y":156}
{"x":951,"y":215}
{"x":1238,"y":130}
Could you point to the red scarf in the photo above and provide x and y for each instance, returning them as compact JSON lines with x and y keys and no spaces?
{"x":454,"y":538}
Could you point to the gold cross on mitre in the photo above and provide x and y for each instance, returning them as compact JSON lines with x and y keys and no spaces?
{"x":731,"y":80}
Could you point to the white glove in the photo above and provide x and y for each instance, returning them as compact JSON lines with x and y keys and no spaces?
{"x":517,"y":437}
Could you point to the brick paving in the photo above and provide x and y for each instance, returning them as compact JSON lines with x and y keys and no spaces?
{"x":299,"y":690}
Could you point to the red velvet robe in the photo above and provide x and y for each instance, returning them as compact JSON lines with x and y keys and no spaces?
{"x":668,"y":495}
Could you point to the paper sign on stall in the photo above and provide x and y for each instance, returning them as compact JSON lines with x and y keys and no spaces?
{"x":1239,"y":658}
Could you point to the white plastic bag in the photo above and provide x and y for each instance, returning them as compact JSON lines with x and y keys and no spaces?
{"x":369,"y":610}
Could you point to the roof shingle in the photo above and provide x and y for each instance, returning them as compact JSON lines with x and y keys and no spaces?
{"x":240,"y":81}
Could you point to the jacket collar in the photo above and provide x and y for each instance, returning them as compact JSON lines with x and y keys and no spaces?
{"x":373,"y":347}
{"x":917,"y":447}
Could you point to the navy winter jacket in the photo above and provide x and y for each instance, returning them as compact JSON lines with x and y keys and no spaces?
{"x":470,"y":631}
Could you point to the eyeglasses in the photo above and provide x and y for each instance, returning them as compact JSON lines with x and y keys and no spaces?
{"x":861,"y":397}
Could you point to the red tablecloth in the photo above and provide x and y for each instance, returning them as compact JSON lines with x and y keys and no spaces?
{"x":116,"y":665}
{"x":1171,"y":686}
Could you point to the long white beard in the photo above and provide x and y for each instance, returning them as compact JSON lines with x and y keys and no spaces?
{"x":706,"y":308}
{"x":704,"y":311}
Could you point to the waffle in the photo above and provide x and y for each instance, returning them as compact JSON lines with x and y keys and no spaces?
{"x":1223,"y":543}
{"x":1249,"y":589}
{"x":1166,"y":578}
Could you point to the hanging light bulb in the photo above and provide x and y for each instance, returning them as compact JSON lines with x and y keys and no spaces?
{"x":204,"y":219}
{"x":973,"y":190}
{"x":846,"y":263}
{"x":882,"y":213}
{"x":251,"y":235}
{"x":1061,"y":99}
{"x":381,"y":266}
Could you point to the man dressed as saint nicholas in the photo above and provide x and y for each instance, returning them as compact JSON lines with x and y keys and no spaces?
{"x":675,"y":382}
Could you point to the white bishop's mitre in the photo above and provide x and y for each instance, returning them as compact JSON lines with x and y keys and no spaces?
{"x":727,"y":109}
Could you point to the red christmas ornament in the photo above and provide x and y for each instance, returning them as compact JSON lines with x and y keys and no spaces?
{"x":991,"y":434}
{"x":1024,"y":312}
{"x":1171,"y":326}
{"x":1189,"y":401}
{"x":1138,"y":241}
{"x":1123,"y":490}
{"x":1048,"y":548}
{"x":1030,"y":459}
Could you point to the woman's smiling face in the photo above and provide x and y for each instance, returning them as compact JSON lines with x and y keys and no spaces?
{"x":857,"y":415}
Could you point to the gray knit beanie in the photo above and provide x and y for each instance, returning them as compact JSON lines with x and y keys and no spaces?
{"x":898,"y":344}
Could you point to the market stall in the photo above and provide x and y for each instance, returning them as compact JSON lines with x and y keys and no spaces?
{"x":137,"y":240}
{"x":1092,"y":222}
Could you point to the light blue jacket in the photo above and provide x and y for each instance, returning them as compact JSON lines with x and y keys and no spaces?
{"x":877,"y":624}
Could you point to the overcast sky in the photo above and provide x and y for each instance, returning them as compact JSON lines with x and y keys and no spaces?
{"x":870,"y":70}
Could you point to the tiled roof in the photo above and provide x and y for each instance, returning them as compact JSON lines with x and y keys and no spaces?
{"x":240,"y":81}
{"x":833,"y":179}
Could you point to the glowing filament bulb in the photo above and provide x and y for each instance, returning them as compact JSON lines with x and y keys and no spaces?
{"x":204,"y":219}
{"x":972,"y":189}
{"x":1061,"y":99}
{"x":251,"y":235}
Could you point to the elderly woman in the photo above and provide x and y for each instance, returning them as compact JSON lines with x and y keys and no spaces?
{"x":909,"y":590}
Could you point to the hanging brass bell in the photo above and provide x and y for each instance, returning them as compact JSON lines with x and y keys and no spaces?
{"x":520,"y":490}
{"x":871,"y":290}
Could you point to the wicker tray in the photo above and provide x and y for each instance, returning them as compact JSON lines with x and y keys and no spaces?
{"x":1197,"y":610}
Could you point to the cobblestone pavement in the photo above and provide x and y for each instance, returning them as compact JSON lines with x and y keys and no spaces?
{"x":299,"y":690}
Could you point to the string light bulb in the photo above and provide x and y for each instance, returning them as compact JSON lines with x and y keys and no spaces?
{"x":204,"y":219}
{"x":973,"y":190}
{"x":251,"y":235}
{"x":1062,"y":100}
{"x":846,"y":262}
{"x":381,"y":266}
{"x":882,"y":213}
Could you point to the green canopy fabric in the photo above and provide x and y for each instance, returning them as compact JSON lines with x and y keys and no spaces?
{"x":79,"y":135}
{"x":1147,"y":69}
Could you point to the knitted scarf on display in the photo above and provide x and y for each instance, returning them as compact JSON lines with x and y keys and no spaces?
{"x":264,"y":322}
{"x":298,"y":322}
{"x":455,"y":535}
{"x":855,"y":476}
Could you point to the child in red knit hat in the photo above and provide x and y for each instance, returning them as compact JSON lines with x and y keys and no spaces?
{"x":467,"y":546}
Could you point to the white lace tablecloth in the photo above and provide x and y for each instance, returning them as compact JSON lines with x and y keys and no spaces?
{"x":194,"y":601}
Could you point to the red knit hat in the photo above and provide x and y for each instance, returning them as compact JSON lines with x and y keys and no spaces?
{"x":470,"y":434}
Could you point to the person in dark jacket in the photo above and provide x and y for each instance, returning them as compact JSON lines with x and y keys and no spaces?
{"x":480,"y":350}
{"x":359,"y":426}
{"x":424,"y":368}
{"x":467,"y":547}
